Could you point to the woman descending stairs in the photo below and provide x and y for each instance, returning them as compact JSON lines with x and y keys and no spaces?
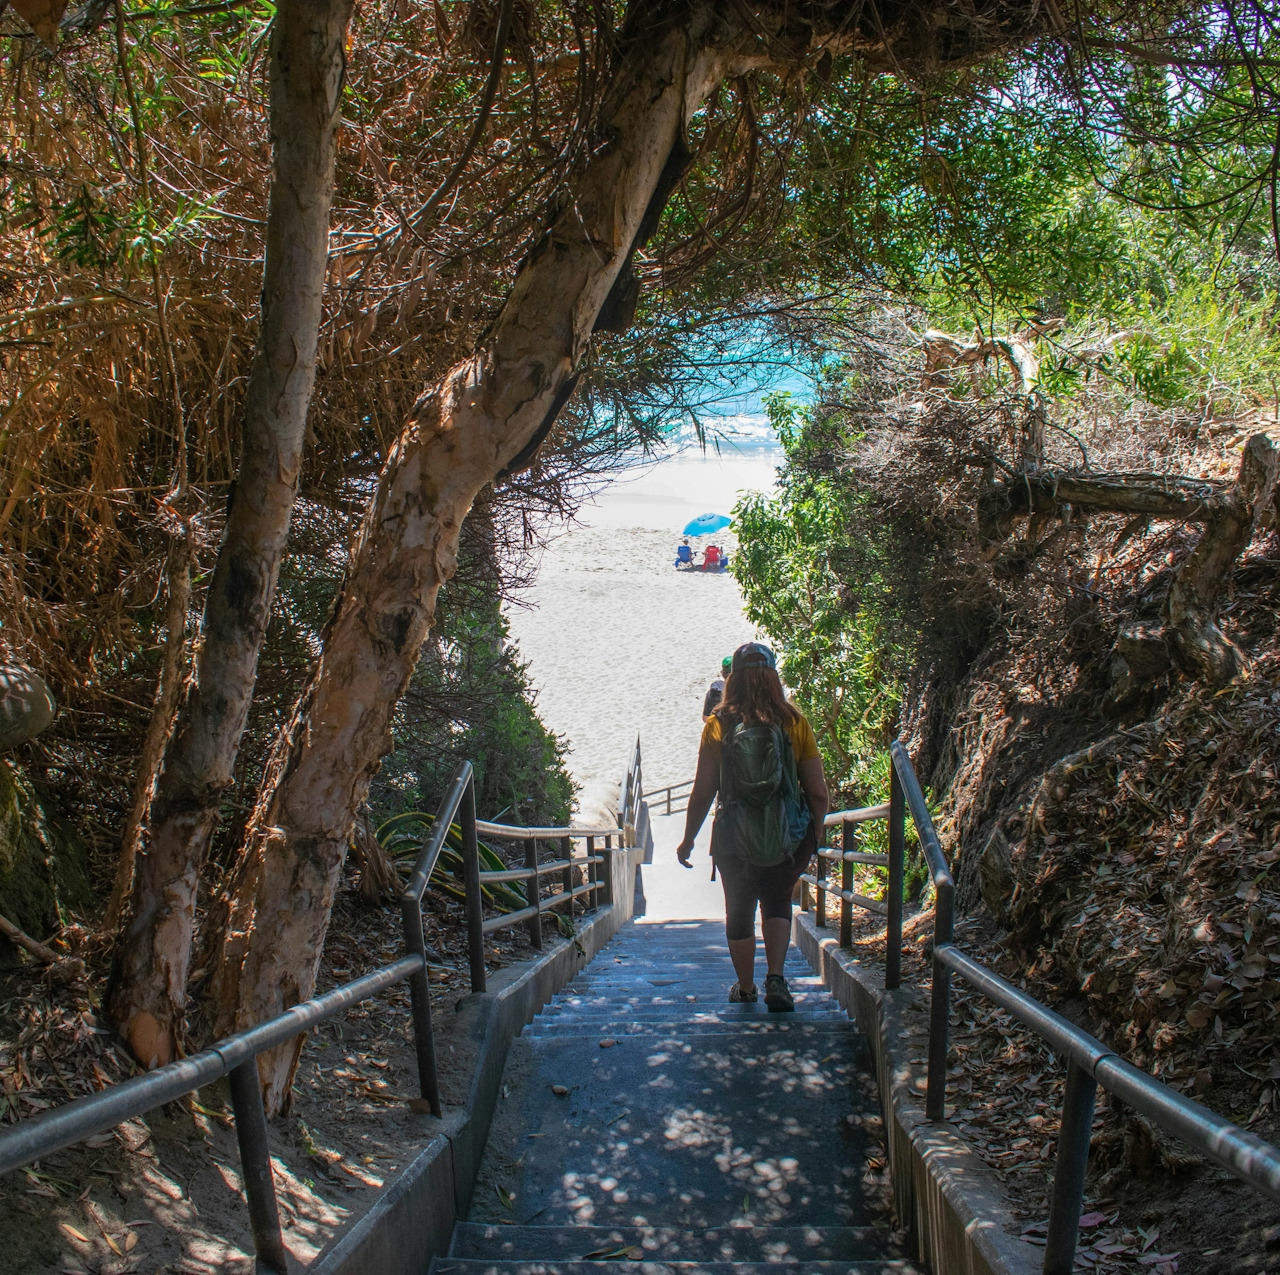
{"x":647,"y":1119}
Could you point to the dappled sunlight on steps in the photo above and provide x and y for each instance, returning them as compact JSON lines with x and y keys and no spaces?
{"x":649,"y":1124}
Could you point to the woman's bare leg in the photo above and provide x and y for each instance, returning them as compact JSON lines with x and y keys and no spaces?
{"x":742,"y":952}
{"x":777,"y":938}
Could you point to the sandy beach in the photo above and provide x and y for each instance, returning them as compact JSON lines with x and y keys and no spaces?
{"x":620,"y":643}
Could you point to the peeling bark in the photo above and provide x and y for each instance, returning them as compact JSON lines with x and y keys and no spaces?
{"x":307,"y":64}
{"x":471,"y":425}
{"x":1200,"y":648}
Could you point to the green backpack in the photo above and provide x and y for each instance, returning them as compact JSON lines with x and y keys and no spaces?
{"x":760,"y":816}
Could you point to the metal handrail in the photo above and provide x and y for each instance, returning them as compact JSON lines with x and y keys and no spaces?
{"x":890,"y":908}
{"x":683,"y":783}
{"x":543,"y":905}
{"x":82,"y":1118}
{"x":598,"y":870}
{"x":855,"y":856}
{"x":513,"y":833}
{"x":236,"y":1056}
{"x":861,"y":815}
{"x":669,"y":789}
{"x":1090,"y":1063}
{"x":524,"y":874}
{"x":631,"y":794}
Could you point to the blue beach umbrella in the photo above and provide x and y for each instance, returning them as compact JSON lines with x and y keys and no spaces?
{"x":707,"y":524}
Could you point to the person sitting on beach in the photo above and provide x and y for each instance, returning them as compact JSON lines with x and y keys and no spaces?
{"x":715,"y":692}
{"x":711,"y":557}
{"x":684,"y":554}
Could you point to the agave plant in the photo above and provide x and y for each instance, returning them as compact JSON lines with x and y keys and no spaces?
{"x":402,"y":837}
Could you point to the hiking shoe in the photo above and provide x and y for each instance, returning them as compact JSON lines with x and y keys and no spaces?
{"x":777,"y":995}
{"x":740,"y":996}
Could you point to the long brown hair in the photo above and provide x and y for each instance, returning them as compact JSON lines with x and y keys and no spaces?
{"x":754,"y":694}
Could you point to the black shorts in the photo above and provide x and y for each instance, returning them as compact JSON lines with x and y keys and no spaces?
{"x":746,"y":886}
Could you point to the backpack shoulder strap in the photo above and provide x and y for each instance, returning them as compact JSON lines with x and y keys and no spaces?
{"x":728,"y":727}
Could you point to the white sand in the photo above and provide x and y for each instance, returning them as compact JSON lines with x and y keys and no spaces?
{"x":621,"y":644}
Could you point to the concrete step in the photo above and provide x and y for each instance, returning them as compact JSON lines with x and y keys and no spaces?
{"x":732,"y":1016}
{"x":674,"y":988}
{"x":657,"y":1004}
{"x":478,"y":1266}
{"x":751,"y":1128}
{"x":697,"y":1014}
{"x":648,"y":989}
{"x":780,"y":1244}
{"x":684,"y":1031}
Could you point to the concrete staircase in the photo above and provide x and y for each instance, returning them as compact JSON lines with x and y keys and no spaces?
{"x":645,"y":1119}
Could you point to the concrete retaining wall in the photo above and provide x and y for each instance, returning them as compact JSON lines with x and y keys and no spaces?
{"x":411,"y":1222}
{"x":949,"y":1198}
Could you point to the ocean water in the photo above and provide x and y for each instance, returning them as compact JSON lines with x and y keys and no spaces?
{"x":619,"y":643}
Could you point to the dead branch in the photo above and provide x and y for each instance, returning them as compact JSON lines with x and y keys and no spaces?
{"x":27,"y":943}
{"x":1017,"y":349}
{"x":1002,"y":502}
{"x":1200,"y":648}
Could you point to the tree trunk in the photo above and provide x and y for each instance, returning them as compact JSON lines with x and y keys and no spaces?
{"x":1200,"y":648}
{"x":307,"y":63}
{"x":463,"y":432}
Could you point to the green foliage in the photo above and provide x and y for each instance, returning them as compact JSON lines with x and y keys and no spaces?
{"x":43,"y":864}
{"x":402,"y":838}
{"x":470,"y":698}
{"x":85,"y":232}
{"x":811,"y":564}
{"x":88,"y":232}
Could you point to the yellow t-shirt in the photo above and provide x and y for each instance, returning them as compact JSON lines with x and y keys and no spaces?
{"x":803,"y":742}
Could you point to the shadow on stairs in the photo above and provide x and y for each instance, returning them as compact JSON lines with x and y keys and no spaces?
{"x":645,"y":1119}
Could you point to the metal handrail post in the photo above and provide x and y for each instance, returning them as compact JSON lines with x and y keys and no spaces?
{"x":848,"y":841}
{"x":566,"y":875}
{"x":420,"y":1003}
{"x":533,"y":894}
{"x":821,"y":890}
{"x":1069,"y":1171}
{"x":939,"y":1007}
{"x":255,"y":1169}
{"x":897,"y":852}
{"x":471,"y":880}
